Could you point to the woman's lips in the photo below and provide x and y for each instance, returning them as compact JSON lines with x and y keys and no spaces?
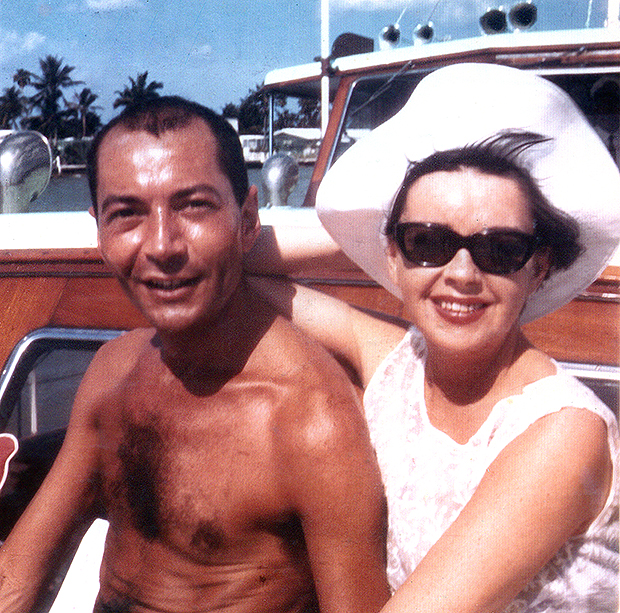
{"x":457,"y":310}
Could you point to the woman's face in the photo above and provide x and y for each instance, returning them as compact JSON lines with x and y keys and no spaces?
{"x":458,"y":307}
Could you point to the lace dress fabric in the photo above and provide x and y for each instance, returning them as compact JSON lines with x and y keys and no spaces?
{"x":429,"y":478}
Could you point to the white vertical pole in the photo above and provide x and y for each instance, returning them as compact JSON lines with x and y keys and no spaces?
{"x":32,"y":385}
{"x":613,"y":14}
{"x":271,"y":126}
{"x":324,"y":55}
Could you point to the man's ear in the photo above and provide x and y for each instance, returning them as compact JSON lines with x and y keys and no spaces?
{"x":91,"y":210}
{"x":250,"y":221}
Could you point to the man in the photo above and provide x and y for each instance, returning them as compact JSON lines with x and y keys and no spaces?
{"x":226,"y":450}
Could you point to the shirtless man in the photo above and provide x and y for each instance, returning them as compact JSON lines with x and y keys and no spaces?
{"x":227,"y":451}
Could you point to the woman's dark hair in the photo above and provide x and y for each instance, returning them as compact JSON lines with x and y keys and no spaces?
{"x":499,"y":156}
{"x":164,"y":113}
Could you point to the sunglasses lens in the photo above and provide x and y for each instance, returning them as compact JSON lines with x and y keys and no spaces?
{"x":502,"y":253}
{"x":425,"y":246}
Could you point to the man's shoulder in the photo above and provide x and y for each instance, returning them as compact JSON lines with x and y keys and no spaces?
{"x":288,"y":351}
{"x":318,"y":395}
{"x":128,"y":344}
{"x":119,"y":357}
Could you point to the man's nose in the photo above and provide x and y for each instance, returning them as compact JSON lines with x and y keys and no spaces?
{"x":164,"y":242}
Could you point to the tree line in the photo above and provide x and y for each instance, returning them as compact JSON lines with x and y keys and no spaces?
{"x":52,"y":102}
{"x":252,"y":112}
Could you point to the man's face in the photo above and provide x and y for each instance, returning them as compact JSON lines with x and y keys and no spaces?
{"x":169,"y":225}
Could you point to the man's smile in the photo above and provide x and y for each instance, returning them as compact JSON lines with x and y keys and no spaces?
{"x":168,"y":284}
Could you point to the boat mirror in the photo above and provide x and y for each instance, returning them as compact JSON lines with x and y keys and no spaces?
{"x":25,"y":169}
{"x":279,"y":177}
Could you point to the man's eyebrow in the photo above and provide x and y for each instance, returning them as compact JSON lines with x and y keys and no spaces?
{"x":178,"y":195}
{"x":196,"y":189}
{"x":112,"y":199}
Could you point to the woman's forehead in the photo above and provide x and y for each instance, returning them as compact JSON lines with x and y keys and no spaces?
{"x":468,"y":196}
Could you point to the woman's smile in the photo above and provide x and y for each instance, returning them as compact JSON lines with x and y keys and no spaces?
{"x":458,"y":307}
{"x":459,"y":311}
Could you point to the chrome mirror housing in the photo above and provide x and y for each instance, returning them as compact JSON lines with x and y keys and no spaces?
{"x":279,"y":177}
{"x":25,"y":169}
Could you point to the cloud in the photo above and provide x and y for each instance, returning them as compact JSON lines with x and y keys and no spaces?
{"x":13,"y":44}
{"x":369,"y":5}
{"x":204,"y":50}
{"x":112,"y":5}
{"x":32,"y":41}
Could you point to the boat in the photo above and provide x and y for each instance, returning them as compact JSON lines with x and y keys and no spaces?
{"x":59,"y":302}
{"x":368,"y":88}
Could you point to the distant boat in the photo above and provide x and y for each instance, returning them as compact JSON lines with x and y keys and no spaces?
{"x":70,"y":155}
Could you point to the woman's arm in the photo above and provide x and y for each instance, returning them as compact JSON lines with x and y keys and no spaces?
{"x":359,"y":339}
{"x":545,"y":487}
{"x":289,"y":250}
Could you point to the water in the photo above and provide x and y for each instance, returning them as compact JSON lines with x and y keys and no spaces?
{"x":70,"y":192}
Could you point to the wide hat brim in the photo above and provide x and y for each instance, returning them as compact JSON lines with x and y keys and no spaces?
{"x":464,"y":104}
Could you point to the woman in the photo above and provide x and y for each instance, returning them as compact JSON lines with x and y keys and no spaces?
{"x":486,"y":202}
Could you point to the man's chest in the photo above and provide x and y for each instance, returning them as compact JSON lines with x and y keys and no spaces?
{"x":199,"y":472}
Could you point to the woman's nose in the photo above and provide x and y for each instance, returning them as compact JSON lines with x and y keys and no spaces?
{"x":462,"y":269}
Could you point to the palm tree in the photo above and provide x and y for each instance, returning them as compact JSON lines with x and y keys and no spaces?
{"x":309,"y":115}
{"x":22,"y":77}
{"x":230,"y":110}
{"x":83,"y":106}
{"x":138,"y":91}
{"x":49,"y":92}
{"x":12,"y":107}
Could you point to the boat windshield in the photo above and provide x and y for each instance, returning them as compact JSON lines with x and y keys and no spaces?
{"x":374,"y":100}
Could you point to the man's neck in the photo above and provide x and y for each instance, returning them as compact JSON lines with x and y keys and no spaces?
{"x":222,"y":346}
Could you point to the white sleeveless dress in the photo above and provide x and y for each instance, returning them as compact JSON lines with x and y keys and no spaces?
{"x":429,"y":478}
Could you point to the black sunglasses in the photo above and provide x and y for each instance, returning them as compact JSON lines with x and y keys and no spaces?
{"x":498,"y":252}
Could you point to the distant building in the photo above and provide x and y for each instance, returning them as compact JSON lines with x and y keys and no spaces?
{"x":70,"y":154}
{"x":255,"y":148}
{"x":301,"y":143}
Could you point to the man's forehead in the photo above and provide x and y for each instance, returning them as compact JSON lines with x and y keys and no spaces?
{"x":192,"y":146}
{"x":187,"y":154}
{"x":195,"y":128}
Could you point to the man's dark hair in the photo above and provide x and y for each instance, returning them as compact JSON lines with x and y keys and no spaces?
{"x":500,"y":156}
{"x":165,"y":113}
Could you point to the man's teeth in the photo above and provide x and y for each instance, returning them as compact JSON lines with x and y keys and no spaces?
{"x":168,"y":285}
{"x":458,"y":307}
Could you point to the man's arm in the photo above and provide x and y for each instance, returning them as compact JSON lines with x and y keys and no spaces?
{"x":331,"y":475}
{"x":59,"y":514}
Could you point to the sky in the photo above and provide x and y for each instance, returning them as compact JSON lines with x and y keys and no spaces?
{"x":215,"y":52}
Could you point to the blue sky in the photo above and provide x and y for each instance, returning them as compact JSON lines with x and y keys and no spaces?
{"x":214,"y":52}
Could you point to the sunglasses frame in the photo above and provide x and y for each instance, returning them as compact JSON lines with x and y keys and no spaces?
{"x":473,"y":243}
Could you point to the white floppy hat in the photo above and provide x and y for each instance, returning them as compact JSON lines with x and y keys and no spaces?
{"x":464,"y":104}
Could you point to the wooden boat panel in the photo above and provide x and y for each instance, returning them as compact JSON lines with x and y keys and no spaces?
{"x":74,"y":288}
